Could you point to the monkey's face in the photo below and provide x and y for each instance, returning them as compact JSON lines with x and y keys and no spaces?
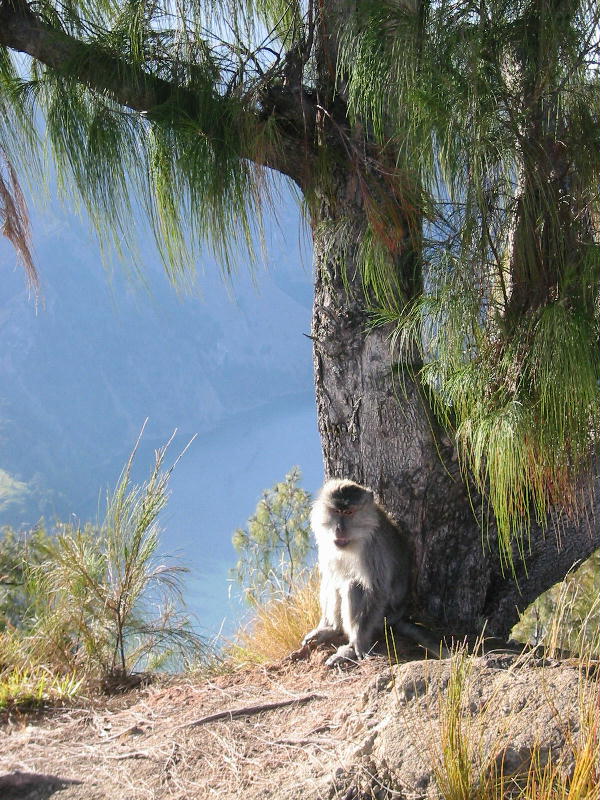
{"x":342,"y":515}
{"x":343,"y":524}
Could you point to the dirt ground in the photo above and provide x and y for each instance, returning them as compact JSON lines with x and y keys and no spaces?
{"x":145,"y":744}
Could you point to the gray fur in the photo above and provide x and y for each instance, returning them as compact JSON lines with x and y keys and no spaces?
{"x":365,"y":576}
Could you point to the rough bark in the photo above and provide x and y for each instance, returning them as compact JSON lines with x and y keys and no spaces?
{"x":377,"y":428}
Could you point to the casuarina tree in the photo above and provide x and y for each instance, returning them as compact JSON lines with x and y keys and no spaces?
{"x":446,"y":154}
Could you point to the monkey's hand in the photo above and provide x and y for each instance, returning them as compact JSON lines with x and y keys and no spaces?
{"x":320,"y":635}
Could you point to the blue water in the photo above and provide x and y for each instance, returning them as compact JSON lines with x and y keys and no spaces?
{"x":216,"y":487}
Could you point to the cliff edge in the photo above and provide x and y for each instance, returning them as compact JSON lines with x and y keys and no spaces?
{"x":299,"y":731}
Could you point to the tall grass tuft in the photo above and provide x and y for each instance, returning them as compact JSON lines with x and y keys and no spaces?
{"x":468,"y":768}
{"x":455,"y":770}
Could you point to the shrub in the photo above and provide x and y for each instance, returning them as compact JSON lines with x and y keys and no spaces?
{"x":275,"y":548}
{"x":567,"y":616}
{"x":19,"y":551}
{"x":275,"y":544}
{"x":100,"y":604}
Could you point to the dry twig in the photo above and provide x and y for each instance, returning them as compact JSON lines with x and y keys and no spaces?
{"x":248,"y":711}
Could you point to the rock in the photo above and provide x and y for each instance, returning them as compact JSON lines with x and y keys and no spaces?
{"x":504,"y":713}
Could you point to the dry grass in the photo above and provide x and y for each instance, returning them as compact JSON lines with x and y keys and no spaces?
{"x":278,"y":626}
{"x":470,"y":765}
{"x":143,"y":746}
{"x":547,"y":781}
{"x":26,"y":685}
{"x":454,"y":766}
{"x":546,"y":778}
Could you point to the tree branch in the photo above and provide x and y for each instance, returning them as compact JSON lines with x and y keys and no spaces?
{"x":248,"y":711}
{"x":549,"y":555}
{"x":22,"y":30}
{"x":133,"y":87}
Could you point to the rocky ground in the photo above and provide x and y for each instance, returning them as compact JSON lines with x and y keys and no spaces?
{"x":298,"y":730}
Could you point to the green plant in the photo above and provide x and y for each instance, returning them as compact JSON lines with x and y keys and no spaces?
{"x":27,"y":688}
{"x":100,"y":603}
{"x":275,"y":544}
{"x":567,"y":616}
{"x":100,"y":585}
{"x":19,"y":553}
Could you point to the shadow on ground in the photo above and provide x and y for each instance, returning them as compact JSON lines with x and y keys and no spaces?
{"x":31,"y":785}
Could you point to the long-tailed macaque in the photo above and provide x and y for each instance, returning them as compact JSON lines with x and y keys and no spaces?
{"x":364,"y":565}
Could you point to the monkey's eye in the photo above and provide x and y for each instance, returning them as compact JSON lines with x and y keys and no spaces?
{"x":347,"y":512}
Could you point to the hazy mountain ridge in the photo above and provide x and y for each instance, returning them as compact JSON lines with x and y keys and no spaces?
{"x":103,"y":353}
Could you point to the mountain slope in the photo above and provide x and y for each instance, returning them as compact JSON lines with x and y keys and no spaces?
{"x":105,"y":351}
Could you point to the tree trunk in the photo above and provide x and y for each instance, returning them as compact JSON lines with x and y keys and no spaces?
{"x":377,"y":428}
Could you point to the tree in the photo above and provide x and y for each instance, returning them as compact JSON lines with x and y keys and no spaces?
{"x":446,"y":154}
{"x":275,"y":543}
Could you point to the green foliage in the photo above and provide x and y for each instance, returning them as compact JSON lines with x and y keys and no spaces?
{"x":488,"y":109}
{"x":166,"y":130}
{"x":96,"y":602}
{"x":275,"y":544}
{"x":19,"y":553}
{"x":25,"y":688}
{"x":522,"y":410}
{"x":275,"y":549}
{"x":567,"y":617}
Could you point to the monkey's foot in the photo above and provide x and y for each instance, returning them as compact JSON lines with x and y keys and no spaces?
{"x":320,"y":636}
{"x":343,"y":656}
{"x":302,"y":654}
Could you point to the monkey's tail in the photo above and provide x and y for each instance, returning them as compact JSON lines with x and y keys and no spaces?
{"x":433,"y":643}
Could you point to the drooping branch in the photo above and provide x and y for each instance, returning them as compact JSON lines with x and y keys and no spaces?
{"x":550,"y":553}
{"x":129,"y":85}
{"x":14,"y":219}
{"x":133,"y":87}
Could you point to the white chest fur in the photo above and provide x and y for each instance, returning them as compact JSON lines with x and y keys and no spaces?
{"x":343,"y":564}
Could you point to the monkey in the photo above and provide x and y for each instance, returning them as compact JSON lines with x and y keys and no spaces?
{"x":365,"y":572}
